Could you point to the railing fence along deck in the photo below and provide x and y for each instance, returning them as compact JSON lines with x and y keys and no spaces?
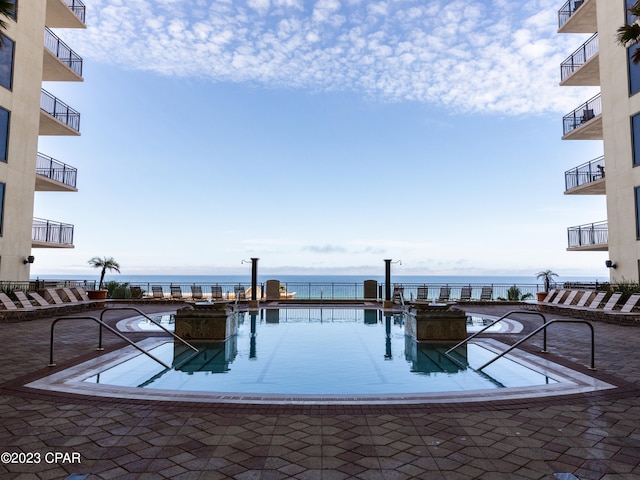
{"x":583,"y":114}
{"x":55,"y":170}
{"x":312,"y":290}
{"x":579,"y":57}
{"x":584,"y":174}
{"x":567,"y":10}
{"x":588,"y":235}
{"x":60,"y":110}
{"x":52,"y":232}
{"x":62,"y":51}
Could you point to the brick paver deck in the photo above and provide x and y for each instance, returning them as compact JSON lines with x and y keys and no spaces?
{"x":591,"y":436}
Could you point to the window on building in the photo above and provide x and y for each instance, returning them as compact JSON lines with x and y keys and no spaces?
{"x":6,"y":62}
{"x":635,"y":138}
{"x":4,"y":133}
{"x":1,"y":208}
{"x":634,"y":70}
{"x":637,"y":192}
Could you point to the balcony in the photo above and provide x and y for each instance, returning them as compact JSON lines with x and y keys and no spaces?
{"x":60,"y":63}
{"x":578,"y":16}
{"x":591,"y":237}
{"x":56,"y":117}
{"x":586,"y":179}
{"x":65,"y":14}
{"x":585,"y":122}
{"x":54,"y":176}
{"x":582,"y":68}
{"x":48,"y":234}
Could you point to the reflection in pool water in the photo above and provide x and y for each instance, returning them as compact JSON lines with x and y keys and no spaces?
{"x":319,"y":351}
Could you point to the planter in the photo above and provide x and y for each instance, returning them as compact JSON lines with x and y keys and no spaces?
{"x":97,"y":295}
{"x":541,"y":296}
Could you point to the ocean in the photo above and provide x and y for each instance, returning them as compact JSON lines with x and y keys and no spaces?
{"x":409,"y":279}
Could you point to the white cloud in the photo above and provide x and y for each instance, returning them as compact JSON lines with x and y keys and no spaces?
{"x":471,"y":56}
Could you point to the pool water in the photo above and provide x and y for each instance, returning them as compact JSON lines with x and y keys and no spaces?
{"x":319,"y":351}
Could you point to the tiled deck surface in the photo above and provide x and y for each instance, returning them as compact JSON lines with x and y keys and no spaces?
{"x":592,"y":436}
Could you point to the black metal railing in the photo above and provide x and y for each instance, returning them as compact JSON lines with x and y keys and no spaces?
{"x":78,"y":8}
{"x":55,"y":170}
{"x":62,"y":52}
{"x":46,"y":231}
{"x":338,"y":291}
{"x":591,"y":234}
{"x":578,"y":58}
{"x":583,"y":114}
{"x":567,"y":10}
{"x":584,"y":174}
{"x":60,"y":110}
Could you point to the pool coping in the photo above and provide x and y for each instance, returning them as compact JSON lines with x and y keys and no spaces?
{"x":69,"y":381}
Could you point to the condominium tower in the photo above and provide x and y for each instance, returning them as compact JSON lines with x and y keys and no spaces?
{"x":31,"y":53}
{"x":612,"y":116}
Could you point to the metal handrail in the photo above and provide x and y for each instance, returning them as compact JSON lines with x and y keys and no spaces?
{"x":173,"y":334}
{"x":524,"y":312}
{"x":102,"y":324}
{"x":544,"y":327}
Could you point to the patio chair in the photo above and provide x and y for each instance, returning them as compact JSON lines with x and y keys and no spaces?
{"x":40,"y":300}
{"x":51,"y":295}
{"x":422,"y":294}
{"x":176,"y":292}
{"x":196,"y":292}
{"x":486,"y":295}
{"x":6,"y":302}
{"x":238,"y":291}
{"x":22,"y":298}
{"x":398,"y":294}
{"x":136,"y":292}
{"x":216,"y":292}
{"x":445,"y":293}
{"x":465,"y":294}
{"x":157,"y":291}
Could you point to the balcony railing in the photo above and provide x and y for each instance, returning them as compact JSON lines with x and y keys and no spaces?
{"x":590,"y":235}
{"x":62,"y":52}
{"x":579,"y":57}
{"x":60,"y":110}
{"x":567,"y":10}
{"x":55,"y":170}
{"x":78,"y":8}
{"x":46,"y":231}
{"x":581,"y":115}
{"x":584,"y":174}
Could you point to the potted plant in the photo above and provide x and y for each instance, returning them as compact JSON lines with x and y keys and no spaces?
{"x":546,"y":276}
{"x":105,"y":263}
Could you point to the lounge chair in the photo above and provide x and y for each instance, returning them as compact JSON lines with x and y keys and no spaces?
{"x":445,"y":293}
{"x":6,"y":302}
{"x":216,"y":292}
{"x":81,"y":293}
{"x":398,"y":294}
{"x":607,"y":307}
{"x":238,"y":291}
{"x":558,"y":298}
{"x":68,"y":296}
{"x":249,"y":290}
{"x":176,"y":292}
{"x":465,"y":294}
{"x":196,"y":292}
{"x":40,"y":300}
{"x":157,"y":291}
{"x":51,"y":295}
{"x":136,"y":292}
{"x":22,"y":298}
{"x":486,"y":295}
{"x":626,"y":313}
{"x":423,"y":294}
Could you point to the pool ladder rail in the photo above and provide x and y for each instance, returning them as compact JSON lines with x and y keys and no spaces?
{"x":543,"y":328}
{"x":100,"y":321}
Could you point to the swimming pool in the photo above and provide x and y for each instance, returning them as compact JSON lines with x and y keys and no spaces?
{"x":319,"y":355}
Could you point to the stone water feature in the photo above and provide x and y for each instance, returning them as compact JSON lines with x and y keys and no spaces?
{"x":206,"y":321}
{"x":427,"y":322}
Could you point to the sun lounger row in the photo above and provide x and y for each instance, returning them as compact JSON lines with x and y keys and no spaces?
{"x":592,"y":304}
{"x":443,"y":294}
{"x":52,"y":301}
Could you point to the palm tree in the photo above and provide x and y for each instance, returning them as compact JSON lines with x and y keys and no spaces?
{"x":547,"y":276}
{"x":629,"y":34}
{"x":7,"y":10}
{"x":514,"y":294}
{"x":105,"y":263}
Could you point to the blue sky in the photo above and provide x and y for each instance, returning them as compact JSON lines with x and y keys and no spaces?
{"x":322,"y":137}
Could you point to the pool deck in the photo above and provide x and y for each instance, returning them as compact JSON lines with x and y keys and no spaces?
{"x":592,"y":435}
